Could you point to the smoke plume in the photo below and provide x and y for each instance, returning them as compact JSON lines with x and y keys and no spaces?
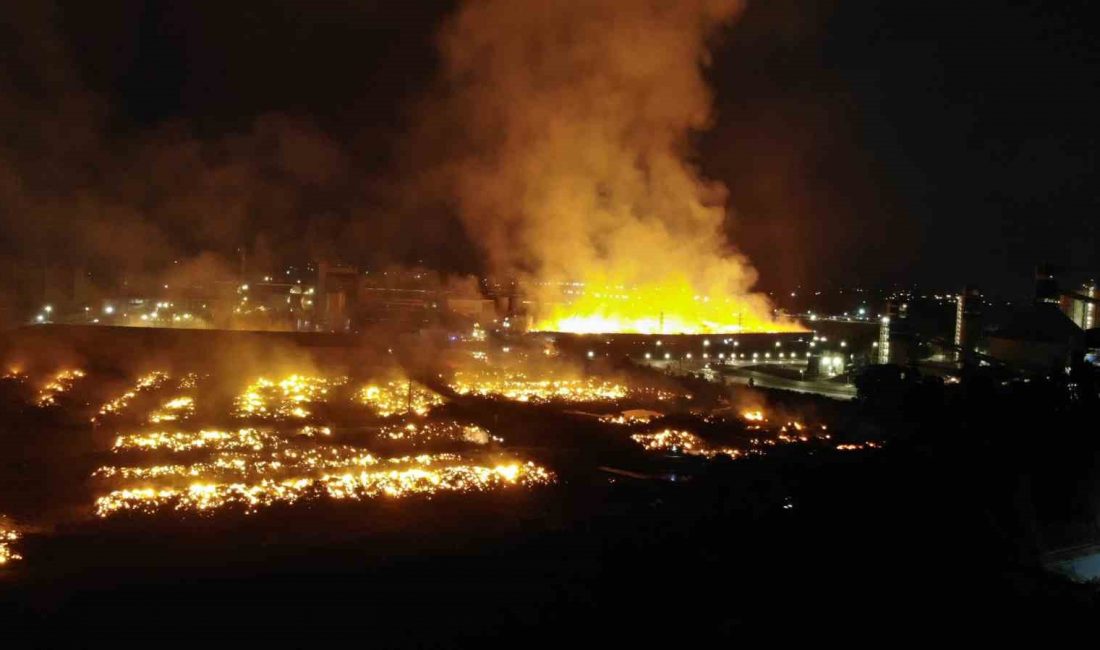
{"x":576,"y":117}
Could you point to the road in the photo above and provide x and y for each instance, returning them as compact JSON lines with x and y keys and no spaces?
{"x":817,"y":387}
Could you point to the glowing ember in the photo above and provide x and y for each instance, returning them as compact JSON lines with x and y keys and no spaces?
{"x":8,"y":537}
{"x":252,"y":468}
{"x":399,"y":396}
{"x":311,"y":431}
{"x":288,"y":398}
{"x":356,"y":486}
{"x":418,"y":433}
{"x":226,"y":465}
{"x":681,"y":442}
{"x":150,"y":381}
{"x":61,"y":382}
{"x":184,"y":441}
{"x":858,"y":446}
{"x":177,"y":408}
{"x":518,"y":387}
{"x":633,"y":416}
{"x":188,"y":381}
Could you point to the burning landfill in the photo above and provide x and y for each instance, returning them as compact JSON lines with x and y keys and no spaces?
{"x":190,"y":443}
{"x":575,"y":180}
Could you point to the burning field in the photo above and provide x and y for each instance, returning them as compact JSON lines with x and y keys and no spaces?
{"x":230,"y":442}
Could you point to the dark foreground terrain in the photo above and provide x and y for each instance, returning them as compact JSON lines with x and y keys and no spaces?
{"x":942,"y":531}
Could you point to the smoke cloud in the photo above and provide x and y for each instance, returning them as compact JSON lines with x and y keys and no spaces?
{"x":574,"y":161}
{"x":91,"y":201}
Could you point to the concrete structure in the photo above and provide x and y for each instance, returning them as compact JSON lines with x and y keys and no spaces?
{"x":1080,"y":305}
{"x":1040,"y":338}
{"x":967,"y":322}
{"x":337,"y":296}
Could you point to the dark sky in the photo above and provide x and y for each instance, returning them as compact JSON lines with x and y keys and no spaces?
{"x":867,"y":141}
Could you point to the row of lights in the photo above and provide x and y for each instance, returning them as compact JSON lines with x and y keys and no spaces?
{"x":47,"y":310}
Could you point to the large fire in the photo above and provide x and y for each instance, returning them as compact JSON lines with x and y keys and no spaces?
{"x":574,"y":168}
{"x":674,"y":309}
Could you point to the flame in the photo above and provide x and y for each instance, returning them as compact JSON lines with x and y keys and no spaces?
{"x":682,"y":442}
{"x":287,"y":398}
{"x":753,"y":416}
{"x":399,"y":396}
{"x":518,"y":387}
{"x":8,"y":537}
{"x":60,"y":383}
{"x":575,"y":172}
{"x":658,"y":309}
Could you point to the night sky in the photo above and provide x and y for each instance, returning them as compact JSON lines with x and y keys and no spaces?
{"x":868,"y":141}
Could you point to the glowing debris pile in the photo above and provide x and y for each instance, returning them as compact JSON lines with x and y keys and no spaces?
{"x":238,"y":465}
{"x":631,"y":417}
{"x":60,"y":383}
{"x":393,"y":483}
{"x":399,"y":397}
{"x":754,"y":415}
{"x":426,"y":432}
{"x":147,"y":382}
{"x":177,"y":408}
{"x":288,"y":398}
{"x":247,"y":438}
{"x":518,"y":387}
{"x":311,"y":431}
{"x":188,"y":381}
{"x":858,"y":446}
{"x":252,"y":467}
{"x":681,"y":442}
{"x":287,"y":473}
{"x":8,"y":538}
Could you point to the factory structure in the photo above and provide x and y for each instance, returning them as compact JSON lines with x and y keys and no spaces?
{"x":942,"y":334}
{"x":1054,"y":330}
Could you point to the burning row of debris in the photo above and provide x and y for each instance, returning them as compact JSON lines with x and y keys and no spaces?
{"x":60,"y":383}
{"x":229,"y":444}
{"x":252,"y":467}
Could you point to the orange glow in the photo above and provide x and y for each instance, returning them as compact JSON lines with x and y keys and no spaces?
{"x":666,"y":308}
